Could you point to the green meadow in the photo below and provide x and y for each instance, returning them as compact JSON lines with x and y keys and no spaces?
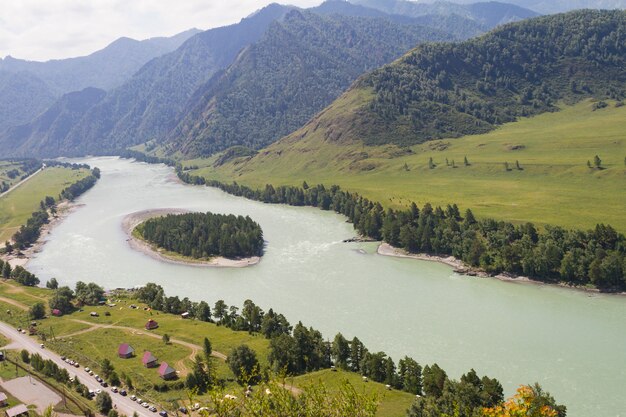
{"x":553,"y":184}
{"x":17,"y":206}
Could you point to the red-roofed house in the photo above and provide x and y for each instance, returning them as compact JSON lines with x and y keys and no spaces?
{"x":125,"y":351}
{"x":148,"y":360}
{"x":57,"y":312}
{"x":151,"y":325}
{"x":166,"y":371}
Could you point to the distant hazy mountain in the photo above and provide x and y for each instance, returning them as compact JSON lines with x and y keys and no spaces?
{"x":488,"y":14}
{"x":105,"y":69}
{"x":146,"y":105}
{"x":276,"y":85}
{"x":558,"y":6}
{"x":44,"y":134}
{"x":23,"y":96}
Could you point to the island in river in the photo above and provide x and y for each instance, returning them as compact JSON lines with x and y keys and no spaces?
{"x":135,"y":240}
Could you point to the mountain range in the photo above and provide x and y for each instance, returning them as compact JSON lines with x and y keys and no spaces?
{"x":277,"y":72}
{"x":560,"y":6}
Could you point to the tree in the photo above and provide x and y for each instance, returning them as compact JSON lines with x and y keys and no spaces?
{"x":6,"y":269}
{"x":465,"y":161}
{"x":219,"y":311}
{"x":112,"y":413}
{"x":283,"y":355}
{"x":517,"y":166}
{"x":340,"y":351}
{"x":37,"y":311}
{"x":410,"y":373}
{"x":107,"y":368}
{"x":104,"y":402}
{"x":62,"y":300}
{"x":597,"y":162}
{"x":529,"y":402}
{"x":243,"y":362}
{"x":434,"y":379}
{"x":588,"y":164}
{"x":52,"y":284}
{"x":166,"y":338}
{"x":506,"y":166}
{"x":206,"y":347}
{"x":202,"y":311}
{"x":25,"y":356}
{"x":88,"y":294}
{"x":357,"y":352}
{"x":431,"y":164}
{"x":114,"y":379}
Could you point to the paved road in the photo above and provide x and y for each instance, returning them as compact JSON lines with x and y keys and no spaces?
{"x":22,"y":341}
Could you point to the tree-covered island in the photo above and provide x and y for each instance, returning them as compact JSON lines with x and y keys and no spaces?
{"x":203,"y":235}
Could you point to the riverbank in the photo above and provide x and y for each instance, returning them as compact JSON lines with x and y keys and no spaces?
{"x":131,"y":221}
{"x":21,"y":258}
{"x":461,"y":268}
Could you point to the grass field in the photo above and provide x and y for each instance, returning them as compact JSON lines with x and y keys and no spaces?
{"x":554,"y":186}
{"x":17,"y":206}
{"x":392,"y":403}
{"x":90,"y":339}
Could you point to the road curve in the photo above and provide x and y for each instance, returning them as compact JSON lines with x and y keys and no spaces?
{"x":124,"y":404}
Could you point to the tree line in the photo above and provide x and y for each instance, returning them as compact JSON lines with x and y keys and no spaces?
{"x":295,"y":350}
{"x":575,"y":257}
{"x":18,"y":274}
{"x":202,"y":235}
{"x":67,"y":300}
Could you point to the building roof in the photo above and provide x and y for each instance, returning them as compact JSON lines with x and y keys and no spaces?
{"x":148,"y":357}
{"x":125,"y":349}
{"x":151,"y":324}
{"x":17,"y":410}
{"x":3,"y":396}
{"x":165,"y":369}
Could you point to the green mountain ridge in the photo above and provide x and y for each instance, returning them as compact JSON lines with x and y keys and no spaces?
{"x":521,"y":69}
{"x":23,"y":96}
{"x":301,"y":65}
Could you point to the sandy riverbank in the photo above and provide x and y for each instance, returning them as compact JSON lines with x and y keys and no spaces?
{"x":134,"y":219}
{"x":64,"y":209}
{"x":386,"y":249}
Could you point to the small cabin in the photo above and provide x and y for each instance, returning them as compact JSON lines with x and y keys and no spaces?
{"x":151,"y":325}
{"x":125,"y":351}
{"x":56,"y":312}
{"x":167,"y":372}
{"x":149,"y":360}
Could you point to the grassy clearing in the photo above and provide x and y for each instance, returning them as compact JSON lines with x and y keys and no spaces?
{"x":555,"y":186}
{"x":393,"y":403}
{"x":16,"y":207}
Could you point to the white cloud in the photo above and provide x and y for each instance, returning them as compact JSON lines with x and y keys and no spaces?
{"x":49,"y":29}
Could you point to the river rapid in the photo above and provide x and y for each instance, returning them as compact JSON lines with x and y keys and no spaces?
{"x":573,"y":343}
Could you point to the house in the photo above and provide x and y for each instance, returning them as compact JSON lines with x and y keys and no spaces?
{"x":57,"y":312}
{"x":151,"y":325}
{"x":3,"y":399}
{"x":185,"y":315}
{"x":148,"y":360}
{"x":18,"y":410}
{"x":167,"y":372}
{"x":125,"y":351}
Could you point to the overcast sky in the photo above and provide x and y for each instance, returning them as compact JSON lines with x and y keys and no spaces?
{"x":47,"y":29}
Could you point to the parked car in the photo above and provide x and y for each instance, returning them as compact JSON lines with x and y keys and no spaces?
{"x":145,"y":404}
{"x":87,"y":369}
{"x":152,"y":408}
{"x":183,"y":410}
{"x":76,"y":365}
{"x":114,"y":389}
{"x":139,"y":400}
{"x":104,"y":384}
{"x":163,"y":413}
{"x":41,"y":345}
{"x":123,"y":392}
{"x":98,"y":391}
{"x":133,"y":397}
{"x":62,"y":358}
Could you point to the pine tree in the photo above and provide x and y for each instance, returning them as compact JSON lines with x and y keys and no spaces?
{"x":597,"y":162}
{"x":519,"y":168}
{"x":465,"y":161}
{"x":431,"y":164}
{"x":506,"y":166}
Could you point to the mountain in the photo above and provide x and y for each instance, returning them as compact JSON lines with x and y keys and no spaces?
{"x":23,"y":96}
{"x":487,"y":14}
{"x":42,"y":135}
{"x":560,"y":6}
{"x":276,"y":85}
{"x":450,"y":90}
{"x":105,"y":69}
{"x":146,"y":105}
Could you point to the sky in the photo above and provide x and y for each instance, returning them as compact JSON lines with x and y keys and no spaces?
{"x":52,"y":29}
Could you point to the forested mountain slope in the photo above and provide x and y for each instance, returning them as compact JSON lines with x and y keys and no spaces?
{"x":146,"y":105}
{"x":23,"y":96}
{"x":449,"y":90}
{"x":105,"y":69}
{"x":42,"y":135}
{"x":295,"y":70}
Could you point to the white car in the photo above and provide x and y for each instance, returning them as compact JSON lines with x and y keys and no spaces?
{"x":98,"y":391}
{"x":114,"y":389}
{"x":133,"y":398}
{"x":86,"y":369}
{"x":145,"y":405}
{"x":41,"y":345}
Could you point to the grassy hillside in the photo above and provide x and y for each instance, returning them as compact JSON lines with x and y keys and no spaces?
{"x":17,"y":206}
{"x":554,"y":186}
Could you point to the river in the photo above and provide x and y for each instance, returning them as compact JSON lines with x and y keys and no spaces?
{"x":571,"y":342}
